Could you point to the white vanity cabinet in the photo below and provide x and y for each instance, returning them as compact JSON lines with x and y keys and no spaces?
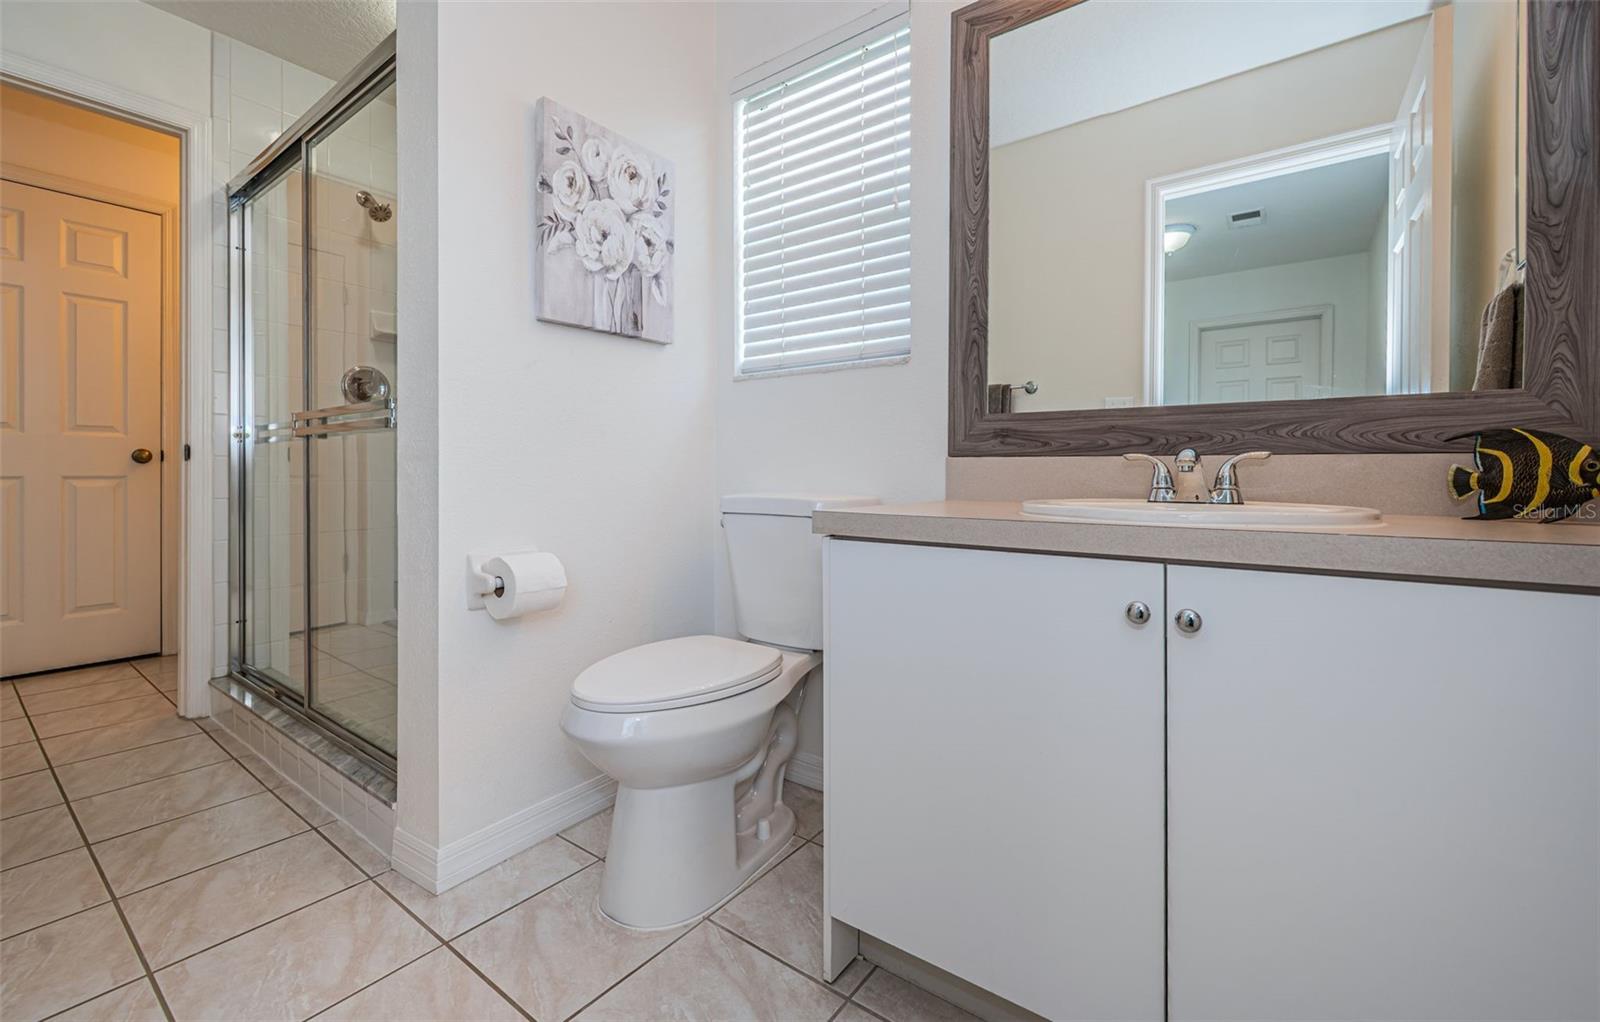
{"x":1338,"y":798}
{"x":1382,"y":800}
{"x":993,"y":730}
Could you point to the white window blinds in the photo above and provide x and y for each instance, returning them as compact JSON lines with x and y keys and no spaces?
{"x":824,"y":235}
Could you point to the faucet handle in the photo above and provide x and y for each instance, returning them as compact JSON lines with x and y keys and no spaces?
{"x":1226,"y":490}
{"x":1161,"y":491}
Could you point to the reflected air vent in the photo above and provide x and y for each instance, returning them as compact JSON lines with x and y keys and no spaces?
{"x":1245,"y":218}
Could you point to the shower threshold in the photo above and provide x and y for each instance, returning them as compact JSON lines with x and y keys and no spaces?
{"x":328,"y":767}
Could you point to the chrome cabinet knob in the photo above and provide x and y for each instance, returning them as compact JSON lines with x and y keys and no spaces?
{"x":1138,"y":612}
{"x":1188,"y":621}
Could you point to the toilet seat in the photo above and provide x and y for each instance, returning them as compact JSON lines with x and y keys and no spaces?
{"x":675,"y":673}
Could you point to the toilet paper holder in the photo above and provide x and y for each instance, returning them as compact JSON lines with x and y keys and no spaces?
{"x":480,"y":583}
{"x":496,"y":582}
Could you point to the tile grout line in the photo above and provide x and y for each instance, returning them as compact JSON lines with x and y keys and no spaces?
{"x":120,"y":986}
{"x":786,"y":964}
{"x":266,"y":922}
{"x":634,"y":971}
{"x":95,"y":702}
{"x":445,"y":942}
{"x":69,"y":915}
{"x":197,"y":869}
{"x":97,"y":727}
{"x":37,"y":675}
{"x":688,"y":929}
{"x":366,"y":986}
{"x":285,"y":802}
{"x":116,"y":906}
{"x":180,"y":816}
{"x":519,"y":903}
{"x":118,"y":752}
{"x":148,"y":780}
{"x":365,"y":879}
{"x":586,"y":851}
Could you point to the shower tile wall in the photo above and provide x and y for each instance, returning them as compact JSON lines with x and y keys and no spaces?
{"x":255,"y":96}
{"x":354,"y":261}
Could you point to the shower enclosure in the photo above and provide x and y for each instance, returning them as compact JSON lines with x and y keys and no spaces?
{"x":312,"y":554}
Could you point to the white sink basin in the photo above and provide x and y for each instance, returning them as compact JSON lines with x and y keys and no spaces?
{"x":1253,"y":514}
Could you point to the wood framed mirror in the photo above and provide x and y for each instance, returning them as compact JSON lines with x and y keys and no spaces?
{"x":1084,"y":281}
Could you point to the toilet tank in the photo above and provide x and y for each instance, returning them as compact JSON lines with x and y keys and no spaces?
{"x":776,"y":564}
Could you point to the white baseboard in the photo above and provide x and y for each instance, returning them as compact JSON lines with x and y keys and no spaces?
{"x":805,"y":769}
{"x":439,"y":869}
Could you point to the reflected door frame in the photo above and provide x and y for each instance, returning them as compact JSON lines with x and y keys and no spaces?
{"x":1323,"y":152}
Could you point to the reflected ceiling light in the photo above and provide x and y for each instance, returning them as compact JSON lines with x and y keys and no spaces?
{"x":1175,"y":236}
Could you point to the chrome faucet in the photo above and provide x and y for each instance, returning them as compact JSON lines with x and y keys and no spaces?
{"x":1224,"y":491}
{"x":1191,"y":484}
{"x":1160,"y":480}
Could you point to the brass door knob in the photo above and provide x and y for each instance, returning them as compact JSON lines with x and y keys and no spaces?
{"x":142,"y":455}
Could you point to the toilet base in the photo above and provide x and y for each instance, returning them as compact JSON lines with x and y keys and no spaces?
{"x":674,"y":855}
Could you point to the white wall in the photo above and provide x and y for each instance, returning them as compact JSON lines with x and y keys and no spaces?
{"x":1343,"y":282}
{"x":592,"y":446}
{"x":878,"y":431}
{"x":122,"y":42}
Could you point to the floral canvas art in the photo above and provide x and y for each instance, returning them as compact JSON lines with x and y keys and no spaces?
{"x":604,"y":211}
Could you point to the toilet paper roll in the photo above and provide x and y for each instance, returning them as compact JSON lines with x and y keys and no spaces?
{"x":533,"y":581}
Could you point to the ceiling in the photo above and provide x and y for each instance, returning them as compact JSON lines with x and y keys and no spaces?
{"x":1313,"y":214}
{"x":326,"y":36}
{"x":1094,"y":59}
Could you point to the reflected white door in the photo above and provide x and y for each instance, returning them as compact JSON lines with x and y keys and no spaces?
{"x":80,"y":400}
{"x":1419,"y":241}
{"x":1275,"y":360}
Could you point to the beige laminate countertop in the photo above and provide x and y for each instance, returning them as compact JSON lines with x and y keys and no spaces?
{"x":1422,"y":547}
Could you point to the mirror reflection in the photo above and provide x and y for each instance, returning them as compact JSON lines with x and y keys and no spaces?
{"x":1206,"y":202}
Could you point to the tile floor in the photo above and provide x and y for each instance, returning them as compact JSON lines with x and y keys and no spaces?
{"x":149,"y":872}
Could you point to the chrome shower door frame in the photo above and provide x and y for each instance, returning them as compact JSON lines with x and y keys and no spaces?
{"x":292,"y":149}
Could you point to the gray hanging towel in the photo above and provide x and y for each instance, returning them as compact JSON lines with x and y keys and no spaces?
{"x":1500,"y":342}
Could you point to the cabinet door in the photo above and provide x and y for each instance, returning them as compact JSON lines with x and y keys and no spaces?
{"x":1382,"y":800}
{"x":994,"y":744}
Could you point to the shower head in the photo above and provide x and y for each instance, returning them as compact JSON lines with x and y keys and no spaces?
{"x":378,"y":211}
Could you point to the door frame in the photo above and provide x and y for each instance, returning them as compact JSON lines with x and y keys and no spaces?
{"x":191,"y":420}
{"x":1321,"y":152}
{"x":170,"y":370}
{"x":1322,"y":313}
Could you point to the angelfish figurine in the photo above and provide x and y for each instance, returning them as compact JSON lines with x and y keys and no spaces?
{"x":1527,"y":473}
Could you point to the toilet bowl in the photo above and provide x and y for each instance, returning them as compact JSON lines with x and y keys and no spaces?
{"x":699,"y":775}
{"x":697,"y":731}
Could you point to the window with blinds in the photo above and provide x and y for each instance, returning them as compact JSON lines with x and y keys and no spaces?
{"x":824,"y":219}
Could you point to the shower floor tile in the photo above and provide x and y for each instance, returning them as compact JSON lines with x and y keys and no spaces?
{"x":199,"y":893}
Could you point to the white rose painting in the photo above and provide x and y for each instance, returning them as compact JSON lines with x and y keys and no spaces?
{"x":605,"y":224}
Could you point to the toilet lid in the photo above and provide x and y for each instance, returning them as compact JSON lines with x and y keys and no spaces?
{"x":675,"y":672}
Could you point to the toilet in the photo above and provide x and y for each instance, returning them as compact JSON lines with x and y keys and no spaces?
{"x":697,"y":730}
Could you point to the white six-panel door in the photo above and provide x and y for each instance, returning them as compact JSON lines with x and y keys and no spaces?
{"x":1384,"y":800}
{"x":994,"y":754}
{"x":80,"y":392}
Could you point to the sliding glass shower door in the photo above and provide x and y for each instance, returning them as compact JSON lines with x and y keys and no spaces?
{"x":314,"y":566}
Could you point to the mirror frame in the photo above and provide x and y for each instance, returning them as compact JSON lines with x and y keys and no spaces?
{"x":1561,"y":349}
